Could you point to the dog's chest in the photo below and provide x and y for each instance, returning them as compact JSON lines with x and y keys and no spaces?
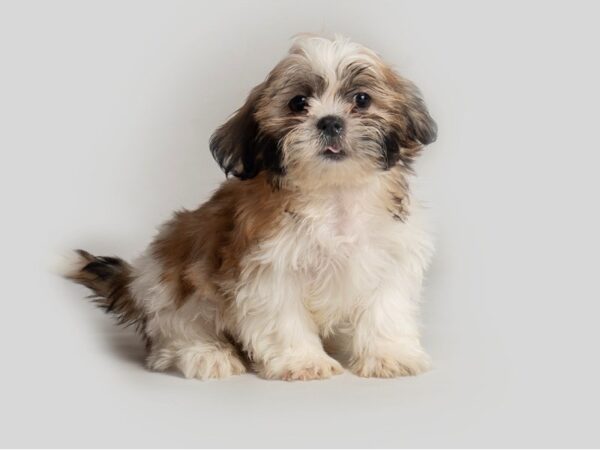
{"x":335,"y":227}
{"x":341,"y":247}
{"x":340,"y":221}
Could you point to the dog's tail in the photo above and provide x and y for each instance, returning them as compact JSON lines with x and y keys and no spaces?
{"x":109,"y":279}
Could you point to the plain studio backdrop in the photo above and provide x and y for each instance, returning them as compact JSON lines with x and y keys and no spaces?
{"x":105,"y":113}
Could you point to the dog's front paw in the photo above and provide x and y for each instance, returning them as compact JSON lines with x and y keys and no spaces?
{"x":301,"y":368}
{"x":198,"y":361}
{"x":213,"y":364}
{"x":390,"y":365}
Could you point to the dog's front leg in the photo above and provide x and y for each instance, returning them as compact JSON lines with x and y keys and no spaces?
{"x":278,"y":331}
{"x":385,"y":341}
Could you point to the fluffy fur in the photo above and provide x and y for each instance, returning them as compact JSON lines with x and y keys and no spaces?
{"x":313,"y":239}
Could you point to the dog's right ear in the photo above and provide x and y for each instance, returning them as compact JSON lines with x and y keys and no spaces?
{"x":238,"y":145}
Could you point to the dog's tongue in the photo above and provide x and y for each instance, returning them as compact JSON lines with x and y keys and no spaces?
{"x":333,"y":149}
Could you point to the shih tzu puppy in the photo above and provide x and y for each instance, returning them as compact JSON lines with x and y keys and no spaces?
{"x":313,"y":239}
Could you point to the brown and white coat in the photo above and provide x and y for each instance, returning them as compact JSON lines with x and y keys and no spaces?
{"x":314,"y":239}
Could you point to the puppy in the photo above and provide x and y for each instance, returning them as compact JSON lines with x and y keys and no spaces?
{"x":312,"y":238}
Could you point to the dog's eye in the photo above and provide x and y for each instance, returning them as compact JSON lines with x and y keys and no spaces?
{"x":362,"y":100}
{"x":298,"y":103}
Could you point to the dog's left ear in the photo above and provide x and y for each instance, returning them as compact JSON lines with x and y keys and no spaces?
{"x":412,"y":126}
{"x":420,"y":127}
{"x":239,"y":146}
{"x":416,"y":126}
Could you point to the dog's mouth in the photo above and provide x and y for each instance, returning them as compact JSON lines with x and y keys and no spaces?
{"x":333,"y":152}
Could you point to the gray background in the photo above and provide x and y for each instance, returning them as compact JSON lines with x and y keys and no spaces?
{"x":105,"y":111}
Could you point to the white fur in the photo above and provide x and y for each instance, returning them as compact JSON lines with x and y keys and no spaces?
{"x":346,"y":269}
{"x":328,"y":55}
{"x":65,"y":264}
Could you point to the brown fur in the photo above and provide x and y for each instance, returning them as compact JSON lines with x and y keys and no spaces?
{"x":108,"y":278}
{"x":201,"y":249}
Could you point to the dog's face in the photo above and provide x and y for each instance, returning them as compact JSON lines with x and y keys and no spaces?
{"x":331,"y":112}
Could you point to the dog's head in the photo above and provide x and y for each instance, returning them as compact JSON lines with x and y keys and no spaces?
{"x":331,"y":112}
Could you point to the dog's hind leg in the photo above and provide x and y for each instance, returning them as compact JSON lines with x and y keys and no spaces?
{"x":184,"y":332}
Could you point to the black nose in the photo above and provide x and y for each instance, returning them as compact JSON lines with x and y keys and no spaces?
{"x":330,"y":125}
